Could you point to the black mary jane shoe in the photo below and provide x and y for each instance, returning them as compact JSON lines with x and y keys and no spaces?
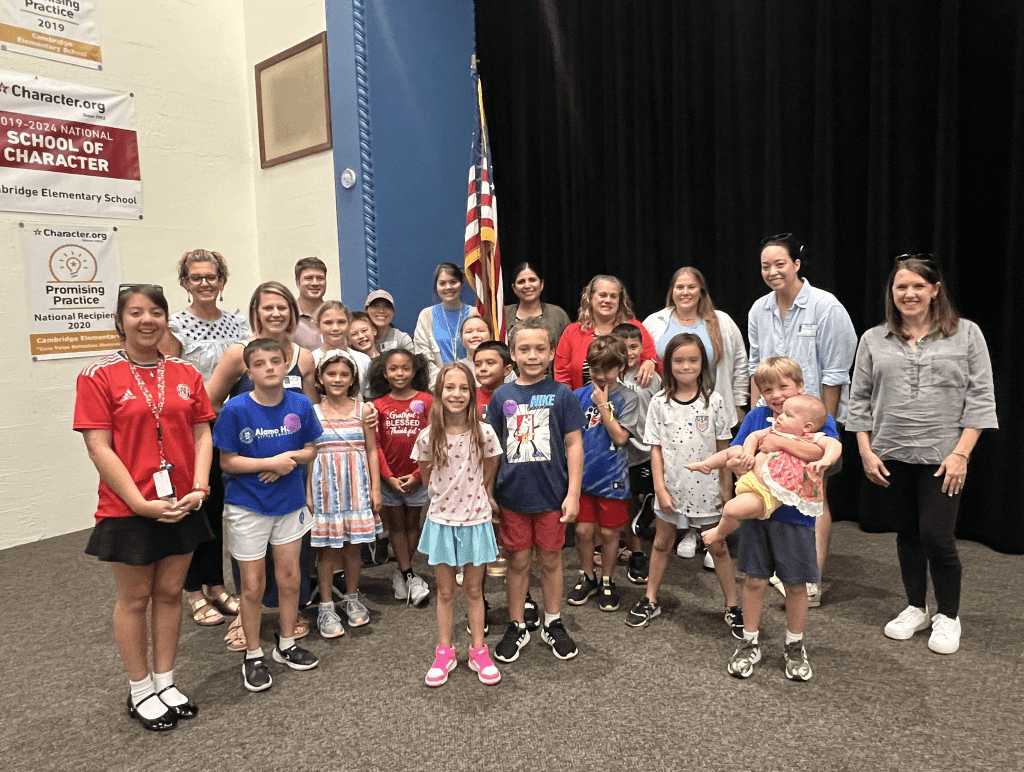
{"x":186,"y":711}
{"x":163,"y":723}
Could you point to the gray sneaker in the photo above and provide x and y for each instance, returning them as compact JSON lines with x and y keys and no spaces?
{"x":418,"y":590}
{"x":797,"y":666}
{"x":354,"y":610}
{"x":747,"y":654}
{"x":328,"y":622}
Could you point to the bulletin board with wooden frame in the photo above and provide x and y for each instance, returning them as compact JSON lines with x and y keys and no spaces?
{"x":293,"y":103}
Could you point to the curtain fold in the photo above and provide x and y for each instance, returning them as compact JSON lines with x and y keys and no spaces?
{"x":632,"y":137}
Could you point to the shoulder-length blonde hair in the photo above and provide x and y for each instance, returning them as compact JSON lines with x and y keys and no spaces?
{"x":705,"y":309}
{"x":438,"y":427}
{"x":586,"y":313}
{"x":273,"y":288}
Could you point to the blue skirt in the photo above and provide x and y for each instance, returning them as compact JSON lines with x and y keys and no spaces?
{"x":458,"y":545}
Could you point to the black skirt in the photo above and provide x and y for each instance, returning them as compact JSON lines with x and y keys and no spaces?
{"x":142,"y":541}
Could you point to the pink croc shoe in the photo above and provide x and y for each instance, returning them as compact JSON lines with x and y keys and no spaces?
{"x":444,"y":663}
{"x":480,"y":662}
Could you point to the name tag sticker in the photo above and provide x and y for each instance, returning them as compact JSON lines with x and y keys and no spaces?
{"x":293,"y":382}
{"x":807,"y":330}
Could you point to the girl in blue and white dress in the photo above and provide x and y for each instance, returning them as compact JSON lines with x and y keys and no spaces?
{"x":343,"y":489}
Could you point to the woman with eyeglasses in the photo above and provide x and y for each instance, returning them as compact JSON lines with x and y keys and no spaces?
{"x":146,"y":419}
{"x":810,"y":326}
{"x":201,"y":334}
{"x":921,"y":395}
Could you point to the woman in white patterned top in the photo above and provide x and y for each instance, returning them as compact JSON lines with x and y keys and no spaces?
{"x":200,"y":334}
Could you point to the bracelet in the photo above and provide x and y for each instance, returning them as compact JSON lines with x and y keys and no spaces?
{"x":966,"y":456}
{"x":205,"y":489}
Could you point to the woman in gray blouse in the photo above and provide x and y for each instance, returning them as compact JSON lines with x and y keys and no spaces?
{"x":921,"y":395}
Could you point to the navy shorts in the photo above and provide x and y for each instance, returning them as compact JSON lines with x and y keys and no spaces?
{"x":775,"y":547}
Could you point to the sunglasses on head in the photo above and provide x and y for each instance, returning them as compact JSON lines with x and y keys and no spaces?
{"x":132,"y":287}
{"x":924,"y":257}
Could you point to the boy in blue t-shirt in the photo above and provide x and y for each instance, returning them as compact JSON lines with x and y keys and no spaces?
{"x":266,"y":437}
{"x":783,"y":544}
{"x":538,"y":422}
{"x":610,"y":413}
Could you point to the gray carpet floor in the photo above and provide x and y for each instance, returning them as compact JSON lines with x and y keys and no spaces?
{"x":652,"y":699}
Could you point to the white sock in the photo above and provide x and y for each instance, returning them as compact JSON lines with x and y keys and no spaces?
{"x":750,"y":636}
{"x":549,"y":618}
{"x":285,"y":643}
{"x":254,"y":653}
{"x":172,"y":696}
{"x":328,"y":606}
{"x":149,"y":709}
{"x":793,"y":637}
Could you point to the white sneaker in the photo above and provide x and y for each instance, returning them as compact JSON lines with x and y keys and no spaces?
{"x":459,"y":577}
{"x":709,"y":562}
{"x":775,"y":582}
{"x":401,"y":588}
{"x":813,"y":594}
{"x":688,"y":546}
{"x":945,"y":638}
{"x":418,"y":590}
{"x":911,"y":620}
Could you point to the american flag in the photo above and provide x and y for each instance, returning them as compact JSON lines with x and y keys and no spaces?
{"x":483,"y":258}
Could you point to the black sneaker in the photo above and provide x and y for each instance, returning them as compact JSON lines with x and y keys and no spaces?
{"x":531,"y":615}
{"x":295,"y":657}
{"x":582,"y":592}
{"x":642,"y":524}
{"x":636,"y":569}
{"x":797,"y":666}
{"x":642,"y":613}
{"x":487,"y":624}
{"x":734,"y":618}
{"x":607,"y":597}
{"x":557,"y":637}
{"x":256,"y":675}
{"x":511,"y":642}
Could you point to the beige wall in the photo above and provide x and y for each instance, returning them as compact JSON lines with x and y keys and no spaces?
{"x":295,"y":218}
{"x":190,"y":65}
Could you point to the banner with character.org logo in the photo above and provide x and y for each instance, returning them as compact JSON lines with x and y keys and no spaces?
{"x":72,"y":274}
{"x":67,"y":149}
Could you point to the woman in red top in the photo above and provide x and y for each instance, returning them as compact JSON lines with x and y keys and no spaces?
{"x":145,"y":420}
{"x":604,"y":305}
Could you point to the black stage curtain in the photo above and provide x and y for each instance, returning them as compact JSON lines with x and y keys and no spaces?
{"x":638,"y":136}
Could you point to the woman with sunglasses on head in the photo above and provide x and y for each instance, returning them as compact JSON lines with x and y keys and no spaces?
{"x":922,"y":393}
{"x":811,"y":327}
{"x":527,"y":285}
{"x":201,"y":334}
{"x":145,"y":420}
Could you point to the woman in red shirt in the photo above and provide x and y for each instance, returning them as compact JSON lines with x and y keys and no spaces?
{"x":145,"y":420}
{"x":604,"y":305}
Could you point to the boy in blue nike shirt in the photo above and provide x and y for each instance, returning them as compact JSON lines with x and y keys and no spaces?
{"x":266,"y":437}
{"x":611,"y":412}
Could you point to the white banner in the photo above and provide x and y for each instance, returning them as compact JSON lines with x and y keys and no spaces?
{"x":72,"y":274}
{"x":67,"y":149}
{"x":63,"y":30}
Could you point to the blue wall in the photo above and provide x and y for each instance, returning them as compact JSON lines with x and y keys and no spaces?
{"x":421,"y":117}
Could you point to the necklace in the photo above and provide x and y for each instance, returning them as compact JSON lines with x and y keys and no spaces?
{"x":452,"y":334}
{"x":689,"y":322}
{"x":157,"y":407}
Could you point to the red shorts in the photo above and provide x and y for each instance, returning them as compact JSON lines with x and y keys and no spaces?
{"x":607,"y":513}
{"x":522,"y":531}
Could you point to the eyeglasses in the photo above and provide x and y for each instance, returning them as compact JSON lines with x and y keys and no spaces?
{"x":776,"y":237}
{"x":131,"y":287}
{"x":924,"y":257}
{"x":196,"y":281}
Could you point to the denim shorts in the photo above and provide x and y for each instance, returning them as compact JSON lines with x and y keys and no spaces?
{"x":389,"y":497}
{"x":775,"y":546}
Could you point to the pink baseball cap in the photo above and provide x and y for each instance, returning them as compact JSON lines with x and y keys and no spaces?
{"x":379,"y":295}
